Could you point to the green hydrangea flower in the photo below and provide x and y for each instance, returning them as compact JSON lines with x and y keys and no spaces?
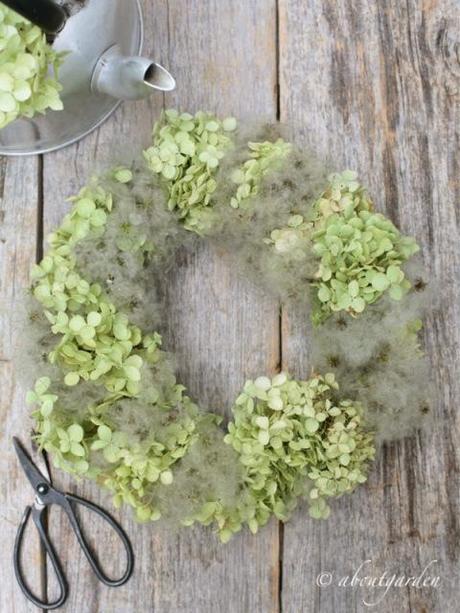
{"x":360,"y":251}
{"x":99,"y":346}
{"x":186,"y":152}
{"x":262,"y":158}
{"x":295,"y":439}
{"x":26,"y":87}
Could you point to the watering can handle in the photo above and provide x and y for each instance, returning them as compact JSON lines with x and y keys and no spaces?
{"x":45,"y":14}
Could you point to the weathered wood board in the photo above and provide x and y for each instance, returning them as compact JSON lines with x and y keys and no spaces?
{"x":373,"y":86}
{"x":19,"y":222}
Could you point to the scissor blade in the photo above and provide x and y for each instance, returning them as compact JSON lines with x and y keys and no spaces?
{"x":32,"y":473}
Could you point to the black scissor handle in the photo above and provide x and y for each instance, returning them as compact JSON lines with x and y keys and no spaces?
{"x":71,"y":499}
{"x":38,"y":518}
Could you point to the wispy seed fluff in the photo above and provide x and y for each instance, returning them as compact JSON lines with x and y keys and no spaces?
{"x":378,"y":359}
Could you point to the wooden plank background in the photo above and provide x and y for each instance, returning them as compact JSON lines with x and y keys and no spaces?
{"x":372,"y":86}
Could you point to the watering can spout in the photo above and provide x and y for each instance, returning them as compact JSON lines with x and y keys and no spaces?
{"x":129,"y":78}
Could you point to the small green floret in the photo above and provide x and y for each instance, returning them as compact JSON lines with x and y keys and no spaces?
{"x":262,"y":158}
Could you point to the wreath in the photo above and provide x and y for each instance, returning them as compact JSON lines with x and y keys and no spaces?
{"x":107,"y":405}
{"x":26,"y":88}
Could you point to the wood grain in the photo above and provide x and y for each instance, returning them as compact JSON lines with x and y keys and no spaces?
{"x":372,"y":86}
{"x":19,"y":180}
{"x":226,"y":49}
{"x":375,"y":87}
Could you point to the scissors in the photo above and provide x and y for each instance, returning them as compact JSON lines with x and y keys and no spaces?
{"x":45,"y":496}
